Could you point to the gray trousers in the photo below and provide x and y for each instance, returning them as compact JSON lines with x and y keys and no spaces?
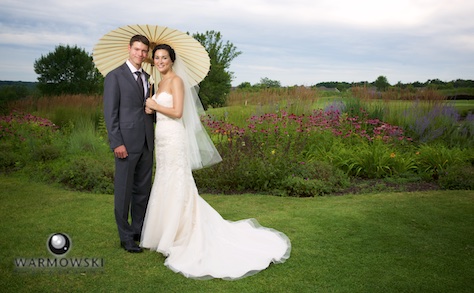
{"x":132,"y":186}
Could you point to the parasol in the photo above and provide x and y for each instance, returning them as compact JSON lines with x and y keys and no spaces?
{"x":112,"y":50}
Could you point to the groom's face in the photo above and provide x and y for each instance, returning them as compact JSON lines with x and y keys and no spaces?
{"x":137,"y":53}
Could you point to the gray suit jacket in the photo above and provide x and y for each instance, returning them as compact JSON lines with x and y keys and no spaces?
{"x":124,"y":112}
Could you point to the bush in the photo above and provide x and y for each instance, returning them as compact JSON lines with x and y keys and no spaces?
{"x":373,"y":159}
{"x":457,"y":177}
{"x":301,"y":187}
{"x":314,"y":178}
{"x":434,"y":159}
{"x":84,"y":173}
{"x":246,"y":166}
{"x":9,"y":158}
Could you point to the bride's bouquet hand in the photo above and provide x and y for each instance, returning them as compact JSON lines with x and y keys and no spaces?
{"x":150,"y":103}
{"x":149,"y":111}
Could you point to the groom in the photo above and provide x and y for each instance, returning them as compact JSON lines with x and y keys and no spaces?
{"x":131,"y":137}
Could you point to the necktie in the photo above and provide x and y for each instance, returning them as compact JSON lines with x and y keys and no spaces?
{"x":140,"y":82}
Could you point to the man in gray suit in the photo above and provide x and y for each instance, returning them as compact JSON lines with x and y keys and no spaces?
{"x":131,"y":137}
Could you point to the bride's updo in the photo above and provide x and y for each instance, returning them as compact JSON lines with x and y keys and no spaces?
{"x":167,"y":48}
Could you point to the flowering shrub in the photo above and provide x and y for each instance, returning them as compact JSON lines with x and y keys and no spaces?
{"x":74,"y":156}
{"x":12,"y":125}
{"x":24,"y":138}
{"x":283,"y":124}
{"x":266,"y":155}
{"x":441,"y":122}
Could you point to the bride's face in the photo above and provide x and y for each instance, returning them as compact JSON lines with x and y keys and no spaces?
{"x":162,"y":61}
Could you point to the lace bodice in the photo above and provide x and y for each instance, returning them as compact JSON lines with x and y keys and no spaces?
{"x":164,"y":99}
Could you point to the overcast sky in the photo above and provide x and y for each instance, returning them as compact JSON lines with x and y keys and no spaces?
{"x":297,"y":42}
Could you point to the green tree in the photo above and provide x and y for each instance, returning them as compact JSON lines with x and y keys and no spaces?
{"x":341,"y":86}
{"x":215,"y":87}
{"x":268,"y":83}
{"x":463,"y":83}
{"x":245,"y":85}
{"x":418,"y":84}
{"x":381,"y":83}
{"x":67,"y":70}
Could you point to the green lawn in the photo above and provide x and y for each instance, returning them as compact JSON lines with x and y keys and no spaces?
{"x":394,"y":242}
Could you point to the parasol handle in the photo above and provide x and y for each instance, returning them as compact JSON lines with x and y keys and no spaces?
{"x":151,"y":81}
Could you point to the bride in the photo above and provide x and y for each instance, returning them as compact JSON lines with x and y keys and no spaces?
{"x":196,"y":241}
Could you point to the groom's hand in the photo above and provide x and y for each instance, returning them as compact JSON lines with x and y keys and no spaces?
{"x":121,"y":152}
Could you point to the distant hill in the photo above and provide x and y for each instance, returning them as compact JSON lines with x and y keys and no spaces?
{"x":28,"y":84}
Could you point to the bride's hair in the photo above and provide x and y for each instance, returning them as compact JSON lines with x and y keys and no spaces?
{"x":167,"y":48}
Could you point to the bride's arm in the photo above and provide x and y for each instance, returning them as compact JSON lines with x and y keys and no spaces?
{"x":177,"y":91}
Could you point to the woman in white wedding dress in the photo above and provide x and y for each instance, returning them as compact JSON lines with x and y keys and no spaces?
{"x":196,"y":240}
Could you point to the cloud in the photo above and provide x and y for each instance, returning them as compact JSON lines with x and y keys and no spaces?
{"x":295,"y":42}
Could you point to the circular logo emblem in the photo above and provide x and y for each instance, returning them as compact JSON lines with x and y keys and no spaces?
{"x":59,"y":243}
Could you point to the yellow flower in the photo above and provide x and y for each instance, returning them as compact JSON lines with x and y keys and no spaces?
{"x":392,"y":155}
{"x":273,"y":152}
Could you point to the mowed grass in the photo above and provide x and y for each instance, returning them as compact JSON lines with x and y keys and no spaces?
{"x":393,"y":242}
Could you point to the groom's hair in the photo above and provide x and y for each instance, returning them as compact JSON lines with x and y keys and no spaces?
{"x":141,"y":39}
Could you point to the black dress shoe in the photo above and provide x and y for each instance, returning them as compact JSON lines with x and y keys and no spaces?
{"x":136,"y":237}
{"x":130,"y":246}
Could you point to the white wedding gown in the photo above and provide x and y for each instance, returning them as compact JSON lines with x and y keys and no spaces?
{"x":196,"y":240}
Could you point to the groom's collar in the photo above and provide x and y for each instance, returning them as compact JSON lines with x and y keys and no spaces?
{"x":132,"y":68}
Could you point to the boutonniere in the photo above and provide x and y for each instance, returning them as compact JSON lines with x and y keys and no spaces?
{"x":151,"y":82}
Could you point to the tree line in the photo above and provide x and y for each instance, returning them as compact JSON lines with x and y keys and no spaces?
{"x":381,"y":83}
